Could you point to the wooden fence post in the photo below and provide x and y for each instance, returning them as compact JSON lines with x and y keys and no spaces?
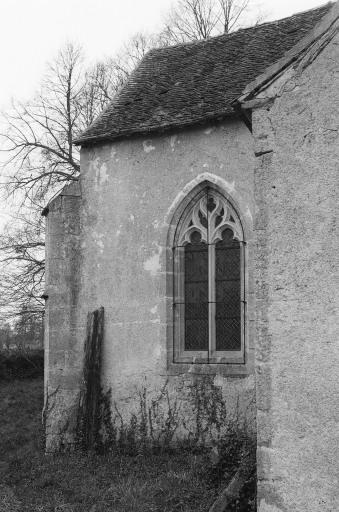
{"x":89,"y":407}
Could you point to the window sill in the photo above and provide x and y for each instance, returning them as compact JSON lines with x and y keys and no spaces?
{"x":235,"y":358}
{"x":204,"y":368}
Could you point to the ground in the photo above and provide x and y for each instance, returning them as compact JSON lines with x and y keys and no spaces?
{"x":31,"y":481}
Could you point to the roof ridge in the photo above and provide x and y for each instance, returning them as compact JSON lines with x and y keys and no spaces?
{"x":186,"y":84}
{"x":230,"y":34}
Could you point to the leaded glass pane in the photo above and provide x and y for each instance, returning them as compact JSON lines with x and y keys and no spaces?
{"x":196,"y":263}
{"x":196,"y":326}
{"x":228,"y":330}
{"x":196,"y":292}
{"x":227,"y":291}
{"x":196,"y":295}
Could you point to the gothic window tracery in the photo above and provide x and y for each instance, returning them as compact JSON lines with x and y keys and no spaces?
{"x":209,"y":295}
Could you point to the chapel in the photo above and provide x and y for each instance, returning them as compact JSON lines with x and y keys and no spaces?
{"x":204,"y":223}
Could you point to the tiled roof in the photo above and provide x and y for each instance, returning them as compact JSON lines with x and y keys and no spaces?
{"x":192,"y":83}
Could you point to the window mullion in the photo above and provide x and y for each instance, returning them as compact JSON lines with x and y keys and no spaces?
{"x":211,"y":299}
{"x":211,"y":283}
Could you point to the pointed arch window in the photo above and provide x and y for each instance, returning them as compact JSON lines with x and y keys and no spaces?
{"x":209,"y":285}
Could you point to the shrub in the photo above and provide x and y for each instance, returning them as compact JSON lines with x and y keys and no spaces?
{"x":150,"y":428}
{"x":224,"y":440}
{"x":21,"y":364}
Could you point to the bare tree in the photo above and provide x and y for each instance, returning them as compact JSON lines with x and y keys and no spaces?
{"x":41,"y":158}
{"x":192,"y":20}
{"x":22,"y":266}
{"x":38,"y":135}
{"x":6,"y":335}
{"x":135,"y":49}
{"x":28,"y":329}
{"x":230,"y":13}
{"x":101,"y":82}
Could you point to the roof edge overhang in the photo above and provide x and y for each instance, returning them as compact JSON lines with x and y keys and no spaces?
{"x":165,"y":128}
{"x":248,"y":100}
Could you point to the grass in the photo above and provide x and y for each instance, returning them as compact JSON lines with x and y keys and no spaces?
{"x":31,"y":481}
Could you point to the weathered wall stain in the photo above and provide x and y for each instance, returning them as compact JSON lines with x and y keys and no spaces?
{"x":124,"y":236}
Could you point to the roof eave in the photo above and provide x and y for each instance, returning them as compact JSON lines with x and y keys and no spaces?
{"x":154,"y":130}
{"x":246,"y":100}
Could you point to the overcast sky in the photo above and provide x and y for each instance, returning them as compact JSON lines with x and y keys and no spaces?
{"x":32,"y":31}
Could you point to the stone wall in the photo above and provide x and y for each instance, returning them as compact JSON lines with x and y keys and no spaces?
{"x":297,"y":354}
{"x":130,"y":191}
{"x":63,"y":356}
{"x":110,"y":248}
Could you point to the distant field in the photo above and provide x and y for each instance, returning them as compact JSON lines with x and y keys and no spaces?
{"x":31,"y":481}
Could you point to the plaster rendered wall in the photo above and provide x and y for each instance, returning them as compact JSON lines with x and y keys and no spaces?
{"x":297,"y":356}
{"x":130,"y":190}
{"x":63,"y":356}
